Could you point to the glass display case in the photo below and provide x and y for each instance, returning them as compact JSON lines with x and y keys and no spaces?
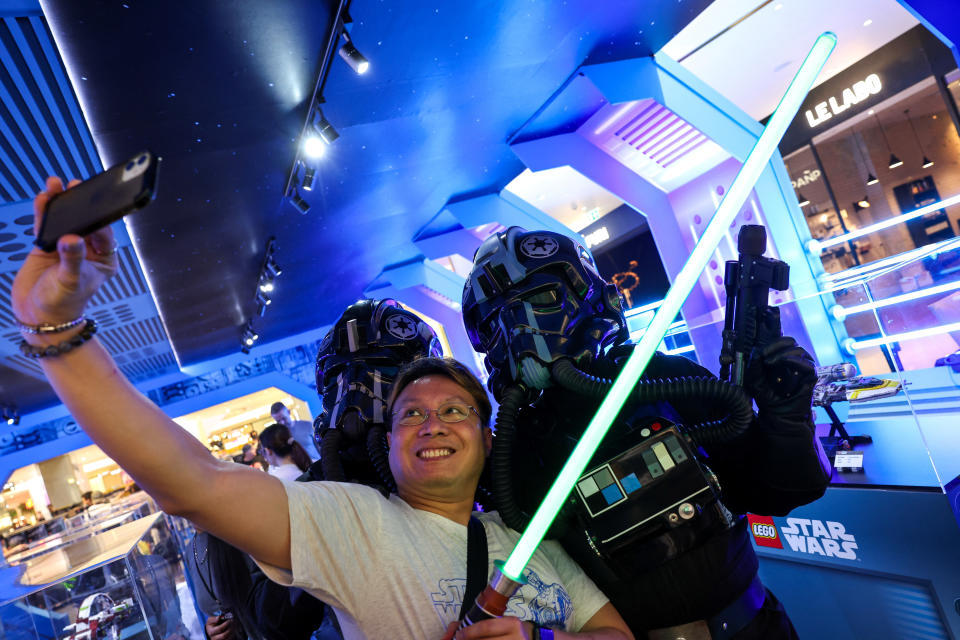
{"x":125,"y":582}
{"x":20,"y":546}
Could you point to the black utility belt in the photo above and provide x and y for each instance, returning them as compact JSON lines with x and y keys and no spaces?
{"x":653,"y":487}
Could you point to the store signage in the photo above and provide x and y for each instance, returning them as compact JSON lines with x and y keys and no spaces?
{"x":596,"y":237}
{"x":850,"y":96}
{"x":816,"y":537}
{"x":807,"y":177}
{"x":802,"y":535}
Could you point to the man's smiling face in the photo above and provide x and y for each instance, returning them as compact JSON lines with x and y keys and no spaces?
{"x":436,"y":459}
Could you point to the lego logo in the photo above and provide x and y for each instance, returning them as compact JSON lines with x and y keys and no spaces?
{"x":764,"y":531}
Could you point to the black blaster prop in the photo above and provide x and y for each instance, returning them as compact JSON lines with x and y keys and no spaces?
{"x":750,"y":320}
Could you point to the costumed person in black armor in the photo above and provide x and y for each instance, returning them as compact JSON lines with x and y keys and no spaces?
{"x":657,"y":518}
{"x":357,"y":362}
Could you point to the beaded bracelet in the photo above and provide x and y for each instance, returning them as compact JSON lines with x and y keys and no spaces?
{"x":53,"y":350}
{"x":44,"y":328}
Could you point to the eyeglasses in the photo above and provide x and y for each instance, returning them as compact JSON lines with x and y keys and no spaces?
{"x":450,"y":412}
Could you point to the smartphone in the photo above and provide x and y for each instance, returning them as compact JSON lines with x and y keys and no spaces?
{"x":102,"y":199}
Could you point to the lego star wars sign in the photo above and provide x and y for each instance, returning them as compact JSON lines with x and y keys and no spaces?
{"x":803,"y":535}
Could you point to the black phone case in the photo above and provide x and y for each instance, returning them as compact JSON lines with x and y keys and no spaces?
{"x":97,"y":202}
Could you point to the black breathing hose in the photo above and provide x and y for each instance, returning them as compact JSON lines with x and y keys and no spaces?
{"x":501,"y":468}
{"x":330,"y":441}
{"x":568,"y":376}
{"x":379,"y":455}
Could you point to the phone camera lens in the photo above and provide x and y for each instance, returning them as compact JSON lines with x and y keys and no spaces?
{"x":141,"y":159}
{"x":130,"y":165}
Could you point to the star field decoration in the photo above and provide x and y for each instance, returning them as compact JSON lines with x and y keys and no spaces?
{"x":401,"y":327}
{"x":539,"y":246}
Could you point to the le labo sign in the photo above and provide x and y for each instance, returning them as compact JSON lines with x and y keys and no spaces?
{"x":834,"y":106}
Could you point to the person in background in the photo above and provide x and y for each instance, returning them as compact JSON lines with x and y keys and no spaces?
{"x":302,"y":430}
{"x":287,"y":459}
{"x":252,"y":458}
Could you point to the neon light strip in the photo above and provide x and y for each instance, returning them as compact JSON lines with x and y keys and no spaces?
{"x":842,"y":312}
{"x":683,"y":284}
{"x":817,"y":246}
{"x":861,"y":274}
{"x":678,"y":350}
{"x":638,"y":310}
{"x":677,"y":327}
{"x":853,"y":346}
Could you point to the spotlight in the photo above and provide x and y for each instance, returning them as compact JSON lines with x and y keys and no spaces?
{"x":313,"y":146}
{"x":863,"y":203}
{"x":301,"y":205}
{"x":353,"y":57}
{"x":309,"y":176}
{"x":801,"y":200}
{"x":250,"y":337}
{"x":12,"y":416}
{"x":271,"y":269}
{"x":871,"y":179}
{"x":262,"y":303}
{"x":324,"y":129}
{"x":927,"y":163}
{"x":894,"y":161}
{"x":266,"y":285}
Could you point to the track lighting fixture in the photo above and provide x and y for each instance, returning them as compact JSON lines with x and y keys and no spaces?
{"x":271,"y":269}
{"x":266,"y":284}
{"x":324,"y":129}
{"x":299,"y":203}
{"x":801,"y":200}
{"x":352,"y":56}
{"x":11,"y":415}
{"x":248,"y":338}
{"x":263,"y":301}
{"x":249,"y":335}
{"x":309,"y":177}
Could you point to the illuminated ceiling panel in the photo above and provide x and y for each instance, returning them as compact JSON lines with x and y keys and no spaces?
{"x":653,"y":141}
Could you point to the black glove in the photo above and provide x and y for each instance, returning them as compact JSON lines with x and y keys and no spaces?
{"x":781,"y":377}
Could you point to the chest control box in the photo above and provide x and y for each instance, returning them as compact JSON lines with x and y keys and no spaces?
{"x":656,"y":484}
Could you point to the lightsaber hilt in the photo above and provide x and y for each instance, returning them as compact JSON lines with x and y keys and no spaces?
{"x":492,"y":601}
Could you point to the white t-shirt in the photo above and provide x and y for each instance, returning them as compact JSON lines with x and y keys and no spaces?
{"x":285,"y":471}
{"x":398,"y":572}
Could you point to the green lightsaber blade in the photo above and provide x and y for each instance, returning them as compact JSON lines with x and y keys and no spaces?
{"x":682,"y":286}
